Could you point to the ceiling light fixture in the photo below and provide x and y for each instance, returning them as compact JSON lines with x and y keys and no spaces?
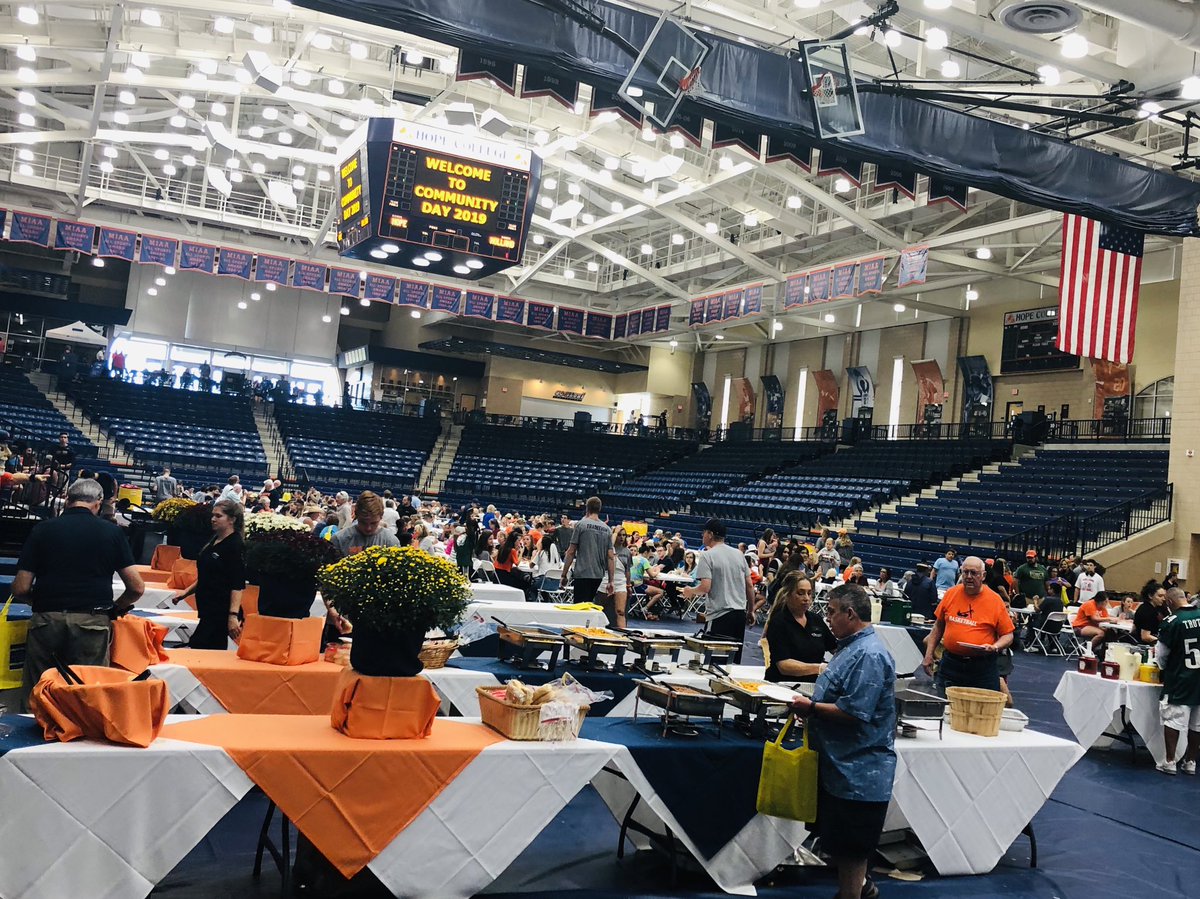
{"x":345,"y":310}
{"x":25,"y":98}
{"x":255,"y":131}
{"x":937,"y":4}
{"x":936,"y":39}
{"x":151,"y":18}
{"x":321,"y":40}
{"x":187,"y":101}
{"x":27,"y":15}
{"x":461,"y":270}
{"x":263,"y":34}
{"x":336,"y":87}
{"x":327,"y":318}
{"x":27,"y":53}
{"x":950,"y":69}
{"x":416,"y":313}
{"x":1190,"y":88}
{"x":26,"y":74}
{"x":256,"y":296}
{"x":421,"y":262}
{"x":711,"y":227}
{"x":972,"y":294}
{"x":593,"y":267}
{"x":899,"y":307}
{"x":677,"y":239}
{"x":842,"y":185}
{"x":358,"y":51}
{"x":719,"y":336}
{"x":363,"y":301}
{"x":1073,"y":46}
{"x":1049,"y":75}
{"x":984,"y":253}
{"x":830,"y":318}
{"x":223,"y":25}
{"x":188,"y":159}
{"x":270,"y":288}
{"x":474,"y":264}
{"x":242,"y":304}
{"x":647,"y":249}
{"x":162,"y":154}
{"x":127,"y":97}
{"x":26,"y":120}
{"x":98,"y":262}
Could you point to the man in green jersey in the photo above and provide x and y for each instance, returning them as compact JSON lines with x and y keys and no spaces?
{"x":1178,"y":655}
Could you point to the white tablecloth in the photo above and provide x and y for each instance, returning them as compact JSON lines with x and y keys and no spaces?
{"x":967,"y":798}
{"x":107,"y":821}
{"x":186,"y":691}
{"x":900,"y":644}
{"x":531,"y":613}
{"x":1092,"y":705}
{"x":761,"y":845}
{"x":95,"y":819}
{"x":152,"y":598}
{"x":500,"y":592}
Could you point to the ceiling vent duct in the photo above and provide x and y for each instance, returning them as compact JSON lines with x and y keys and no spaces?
{"x":1041,"y":16}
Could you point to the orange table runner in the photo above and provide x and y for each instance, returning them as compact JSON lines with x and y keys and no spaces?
{"x":256,"y":688}
{"x":349,"y":797}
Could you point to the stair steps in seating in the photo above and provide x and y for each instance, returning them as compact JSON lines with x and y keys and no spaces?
{"x":45,"y":383}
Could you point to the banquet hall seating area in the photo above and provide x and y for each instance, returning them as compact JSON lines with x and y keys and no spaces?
{"x":182,"y":428}
{"x":838,"y":485}
{"x":552,"y":466}
{"x":347,"y":449}
{"x":1038,"y":489}
{"x":710,"y":471}
{"x":27,"y":415}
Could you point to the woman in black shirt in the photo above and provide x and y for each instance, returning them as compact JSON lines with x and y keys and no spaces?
{"x":1150,"y":613}
{"x":220,"y":579}
{"x":797,"y":639}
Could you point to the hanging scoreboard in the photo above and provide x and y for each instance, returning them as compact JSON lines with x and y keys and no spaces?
{"x":1029,"y":343}
{"x":433,"y":199}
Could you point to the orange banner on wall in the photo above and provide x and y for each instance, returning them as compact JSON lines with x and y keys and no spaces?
{"x":930,"y":386}
{"x":743,"y":392}
{"x":829,"y":393}
{"x":1112,"y":379}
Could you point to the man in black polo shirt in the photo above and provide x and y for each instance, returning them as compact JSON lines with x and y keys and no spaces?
{"x":65,"y":572}
{"x":63,"y":455}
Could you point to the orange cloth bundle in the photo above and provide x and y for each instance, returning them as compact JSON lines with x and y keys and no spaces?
{"x":109,"y":705}
{"x":250,"y":599}
{"x":281,"y":641}
{"x":350,"y":797}
{"x":137,"y":644}
{"x":383,"y":708}
{"x":152,"y":576}
{"x":165,"y":557}
{"x":183,"y":574}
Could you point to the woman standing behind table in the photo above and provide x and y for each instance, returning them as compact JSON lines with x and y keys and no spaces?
{"x":614,"y":607}
{"x":220,"y":579}
{"x":796,"y":639}
{"x":768,"y":547}
{"x":1151,"y":613}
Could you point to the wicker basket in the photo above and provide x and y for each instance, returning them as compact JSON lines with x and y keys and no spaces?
{"x":435,"y":653}
{"x":975,"y":711}
{"x":517,"y":722}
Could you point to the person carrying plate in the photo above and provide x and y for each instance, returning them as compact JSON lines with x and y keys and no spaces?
{"x":973,"y":626}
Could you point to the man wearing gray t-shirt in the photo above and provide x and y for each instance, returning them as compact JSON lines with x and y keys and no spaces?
{"x":725,"y":583}
{"x":590,"y":554}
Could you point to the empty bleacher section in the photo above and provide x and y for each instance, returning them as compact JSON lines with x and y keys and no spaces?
{"x":345,"y":449}
{"x":548,"y":465}
{"x":709,"y":471}
{"x":199,"y":432}
{"x":983,"y":512}
{"x":841,"y":484}
{"x":28,"y":416}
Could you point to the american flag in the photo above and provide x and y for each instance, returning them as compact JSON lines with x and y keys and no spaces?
{"x":1098,"y":291}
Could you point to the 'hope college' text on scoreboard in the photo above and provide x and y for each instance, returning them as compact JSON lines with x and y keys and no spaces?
{"x":436,"y":200}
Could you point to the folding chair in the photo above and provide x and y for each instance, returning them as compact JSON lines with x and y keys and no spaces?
{"x":635,"y":603}
{"x":552,"y":589}
{"x":488,"y":569}
{"x":1074,"y":644}
{"x":1047,"y":638}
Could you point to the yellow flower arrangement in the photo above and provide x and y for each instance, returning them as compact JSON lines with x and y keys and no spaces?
{"x":396,"y":589}
{"x":169,"y":509}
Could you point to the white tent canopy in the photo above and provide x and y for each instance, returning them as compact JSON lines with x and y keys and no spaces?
{"x":77,"y":333}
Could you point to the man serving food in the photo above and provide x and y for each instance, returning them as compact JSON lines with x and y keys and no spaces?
{"x":973,"y":627}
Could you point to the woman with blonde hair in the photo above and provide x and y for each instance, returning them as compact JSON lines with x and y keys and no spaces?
{"x":615,"y":608}
{"x":220,"y":580}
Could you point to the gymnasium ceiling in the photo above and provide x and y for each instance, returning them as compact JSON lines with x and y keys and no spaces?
{"x":119,"y":112}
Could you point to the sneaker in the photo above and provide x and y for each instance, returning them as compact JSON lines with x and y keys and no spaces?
{"x":1167,"y":767}
{"x":1188,"y":768}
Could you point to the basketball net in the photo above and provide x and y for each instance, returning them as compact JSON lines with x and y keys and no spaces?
{"x":825,"y":90}
{"x":690,"y":80}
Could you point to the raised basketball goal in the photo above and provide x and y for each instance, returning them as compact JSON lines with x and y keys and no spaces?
{"x":666,"y":69}
{"x":832,"y":88}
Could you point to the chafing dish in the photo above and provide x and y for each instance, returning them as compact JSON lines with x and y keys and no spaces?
{"x":680,"y":703}
{"x":653,"y":646}
{"x":713,"y":651}
{"x":916,"y":705}
{"x":758,"y":715}
{"x":524,"y":646}
{"x":594,"y":643}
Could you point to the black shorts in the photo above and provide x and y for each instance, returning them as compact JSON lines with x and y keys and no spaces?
{"x":848,"y":828}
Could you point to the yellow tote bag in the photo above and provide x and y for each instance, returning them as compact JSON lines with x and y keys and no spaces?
{"x":787,"y":786}
{"x":12,"y":649}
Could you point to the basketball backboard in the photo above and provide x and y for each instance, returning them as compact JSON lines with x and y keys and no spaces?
{"x":667,"y":67}
{"x":834,"y":93}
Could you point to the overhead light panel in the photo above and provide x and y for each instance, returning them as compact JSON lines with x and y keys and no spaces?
{"x":1049,"y":75}
{"x":677,"y":239}
{"x":1189,"y":88}
{"x":270,"y":113}
{"x":218,"y":109}
{"x":263,"y":34}
{"x":1073,"y":46}
{"x":936,"y":39}
{"x":26,"y":98}
{"x":223,"y":25}
{"x":188,"y":159}
{"x":950,"y":69}
{"x":151,"y":18}
{"x":335,"y":87}
{"x":26,"y":74}
{"x":177,"y":121}
{"x":27,"y":15}
{"x":300,"y":78}
{"x":27,"y":53}
{"x":358,"y":51}
{"x":127,"y":97}
{"x":162,"y":154}
{"x":984,"y":253}
{"x":321,"y":41}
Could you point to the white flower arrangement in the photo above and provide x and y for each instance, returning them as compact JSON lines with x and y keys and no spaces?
{"x":262,"y":522}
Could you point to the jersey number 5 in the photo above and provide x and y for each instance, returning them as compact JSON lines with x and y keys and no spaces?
{"x":1191,"y":650}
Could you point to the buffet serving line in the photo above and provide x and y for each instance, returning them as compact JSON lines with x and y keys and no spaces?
{"x":443,"y":816}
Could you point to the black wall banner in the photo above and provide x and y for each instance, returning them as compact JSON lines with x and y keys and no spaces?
{"x":703,"y":403}
{"x":773,"y":390}
{"x":835,"y":162}
{"x":731,"y":135}
{"x":608,"y":101}
{"x":544,"y":83}
{"x":472,"y":65}
{"x":789,"y":147}
{"x":943,"y":191}
{"x":890,"y":177}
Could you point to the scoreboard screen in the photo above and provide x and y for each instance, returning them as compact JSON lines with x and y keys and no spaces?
{"x":1029,"y":343}
{"x":435,"y":200}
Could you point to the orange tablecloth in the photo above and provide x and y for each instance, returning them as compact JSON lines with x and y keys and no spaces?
{"x":349,"y":797}
{"x":250,"y":688}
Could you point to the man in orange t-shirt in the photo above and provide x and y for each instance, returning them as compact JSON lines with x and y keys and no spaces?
{"x":973,"y":626}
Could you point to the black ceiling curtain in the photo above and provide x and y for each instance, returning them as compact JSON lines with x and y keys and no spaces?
{"x":766,"y":90}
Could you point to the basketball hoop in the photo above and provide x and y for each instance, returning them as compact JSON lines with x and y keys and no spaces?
{"x":824,"y":91}
{"x":690,"y":80}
